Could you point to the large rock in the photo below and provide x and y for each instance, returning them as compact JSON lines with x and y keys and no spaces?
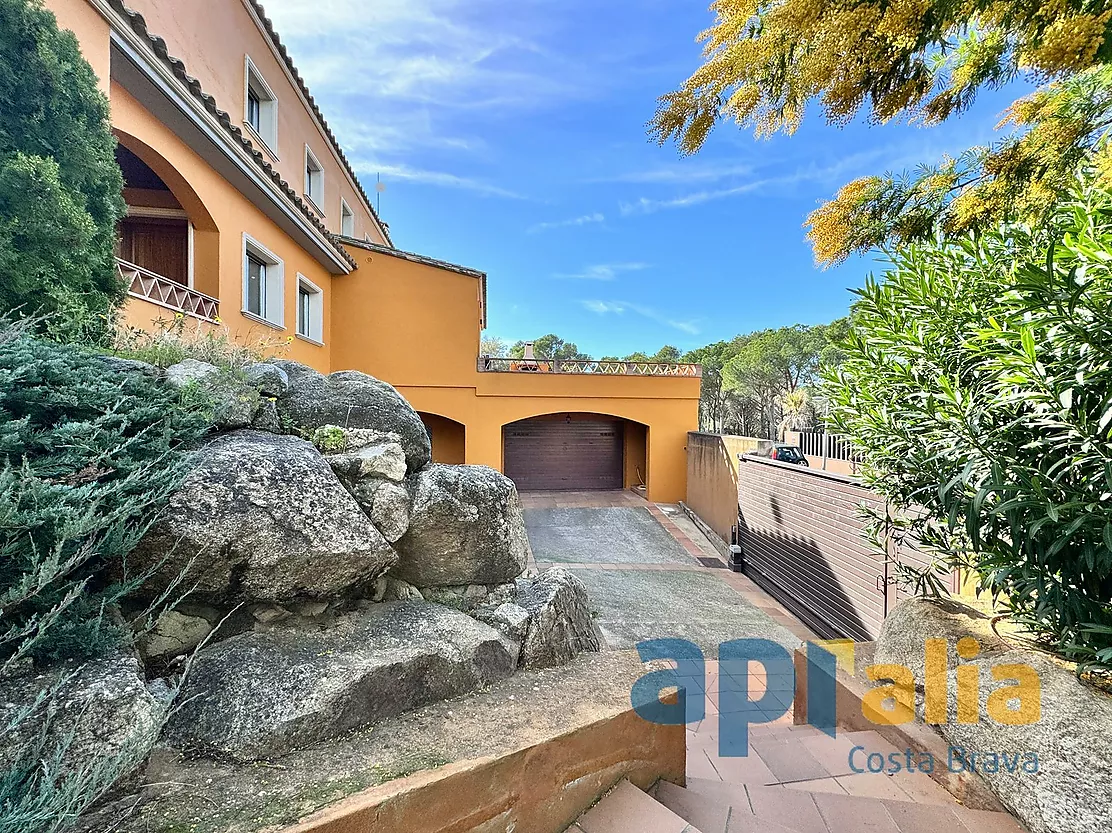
{"x":190,"y":372}
{"x":351,"y":399}
{"x":390,"y":511}
{"x":508,"y":618}
{"x":93,"y":713}
{"x":560,"y":621}
{"x":117,"y":364}
{"x":270,"y":379}
{"x":263,"y":518}
{"x":1072,"y":739}
{"x":385,"y":459}
{"x":234,"y":401}
{"x":260,"y":695}
{"x":465,"y":527}
{"x":174,"y":633}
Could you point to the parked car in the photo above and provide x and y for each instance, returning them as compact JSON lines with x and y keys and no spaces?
{"x":787,"y":454}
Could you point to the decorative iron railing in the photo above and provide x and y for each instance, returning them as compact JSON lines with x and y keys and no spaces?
{"x":490,"y":364}
{"x":158,"y":289}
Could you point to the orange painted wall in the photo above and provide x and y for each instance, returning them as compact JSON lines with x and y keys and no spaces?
{"x":410,"y":322}
{"x":449,"y":442}
{"x":213,"y":38}
{"x":416,"y":326}
{"x":231,"y":216}
{"x":636,"y":454}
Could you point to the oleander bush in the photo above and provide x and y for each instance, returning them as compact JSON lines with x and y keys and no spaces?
{"x":977,"y":383}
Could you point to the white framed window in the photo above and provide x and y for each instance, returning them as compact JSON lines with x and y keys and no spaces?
{"x":260,"y":111}
{"x":263,"y":283}
{"x":310,"y":310}
{"x":314,"y":179}
{"x":347,"y":219}
{"x":260,"y":107}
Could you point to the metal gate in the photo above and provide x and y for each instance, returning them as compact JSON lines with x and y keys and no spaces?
{"x":802,"y":536}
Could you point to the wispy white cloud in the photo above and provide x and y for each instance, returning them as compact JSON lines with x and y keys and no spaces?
{"x":411,"y":84}
{"x":689,"y":326}
{"x":602,"y":271}
{"x":645,"y":205}
{"x":583,"y":220}
{"x":442,"y":178}
{"x":682,"y":174}
{"x":834,"y":174}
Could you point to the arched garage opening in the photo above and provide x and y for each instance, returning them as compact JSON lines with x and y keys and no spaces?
{"x":449,"y":438}
{"x":575,"y":452}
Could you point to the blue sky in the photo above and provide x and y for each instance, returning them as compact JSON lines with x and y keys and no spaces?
{"x":511,"y":138}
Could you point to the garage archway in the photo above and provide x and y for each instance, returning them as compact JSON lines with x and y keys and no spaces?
{"x":449,"y":438}
{"x":573,"y":452}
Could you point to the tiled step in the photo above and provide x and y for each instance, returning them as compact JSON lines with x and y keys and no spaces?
{"x":712,"y":816}
{"x":797,"y":777}
{"x":811,"y":808}
{"x":626,"y":809}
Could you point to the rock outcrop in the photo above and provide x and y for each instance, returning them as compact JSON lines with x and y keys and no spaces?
{"x":380,"y":661}
{"x":262,"y":517}
{"x":351,"y":399}
{"x":269,"y":379}
{"x":96,"y":712}
{"x":174,"y":633}
{"x":560,"y":621}
{"x":1070,"y":738}
{"x":347,"y":578}
{"x":466,"y":527}
{"x":234,"y":399}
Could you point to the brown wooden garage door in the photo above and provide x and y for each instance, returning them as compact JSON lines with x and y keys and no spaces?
{"x":542,"y":454}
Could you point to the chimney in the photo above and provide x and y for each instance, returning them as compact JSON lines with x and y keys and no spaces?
{"x":529,"y":356}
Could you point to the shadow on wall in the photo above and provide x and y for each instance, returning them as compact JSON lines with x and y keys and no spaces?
{"x":816,"y":587}
{"x":449,"y":438}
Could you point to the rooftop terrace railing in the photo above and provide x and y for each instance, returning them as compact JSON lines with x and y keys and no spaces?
{"x":160,"y":290}
{"x":588,"y":367}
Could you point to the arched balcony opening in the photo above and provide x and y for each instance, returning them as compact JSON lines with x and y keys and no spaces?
{"x":167,"y":245}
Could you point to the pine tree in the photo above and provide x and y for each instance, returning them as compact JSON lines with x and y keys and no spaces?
{"x":60,"y":186}
{"x":767,"y":64}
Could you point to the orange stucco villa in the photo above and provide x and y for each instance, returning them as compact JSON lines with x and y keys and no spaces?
{"x":243,"y":213}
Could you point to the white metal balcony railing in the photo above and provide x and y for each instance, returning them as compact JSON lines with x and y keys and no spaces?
{"x":158,"y":289}
{"x":490,"y":364}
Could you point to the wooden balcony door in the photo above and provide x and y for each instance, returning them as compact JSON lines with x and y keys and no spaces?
{"x":160,"y":244}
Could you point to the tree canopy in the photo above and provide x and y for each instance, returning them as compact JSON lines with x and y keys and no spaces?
{"x":759,"y":383}
{"x":60,"y":186}
{"x":756,"y":384}
{"x":549,"y":346}
{"x":920,"y":60}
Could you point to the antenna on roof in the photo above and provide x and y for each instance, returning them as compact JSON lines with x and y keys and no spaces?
{"x":380,"y":186}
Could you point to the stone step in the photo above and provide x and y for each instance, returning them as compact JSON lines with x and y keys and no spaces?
{"x":795,"y":756}
{"x":815,"y":808}
{"x":626,"y":809}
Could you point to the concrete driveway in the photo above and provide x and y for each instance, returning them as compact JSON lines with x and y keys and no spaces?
{"x":640,"y":563}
